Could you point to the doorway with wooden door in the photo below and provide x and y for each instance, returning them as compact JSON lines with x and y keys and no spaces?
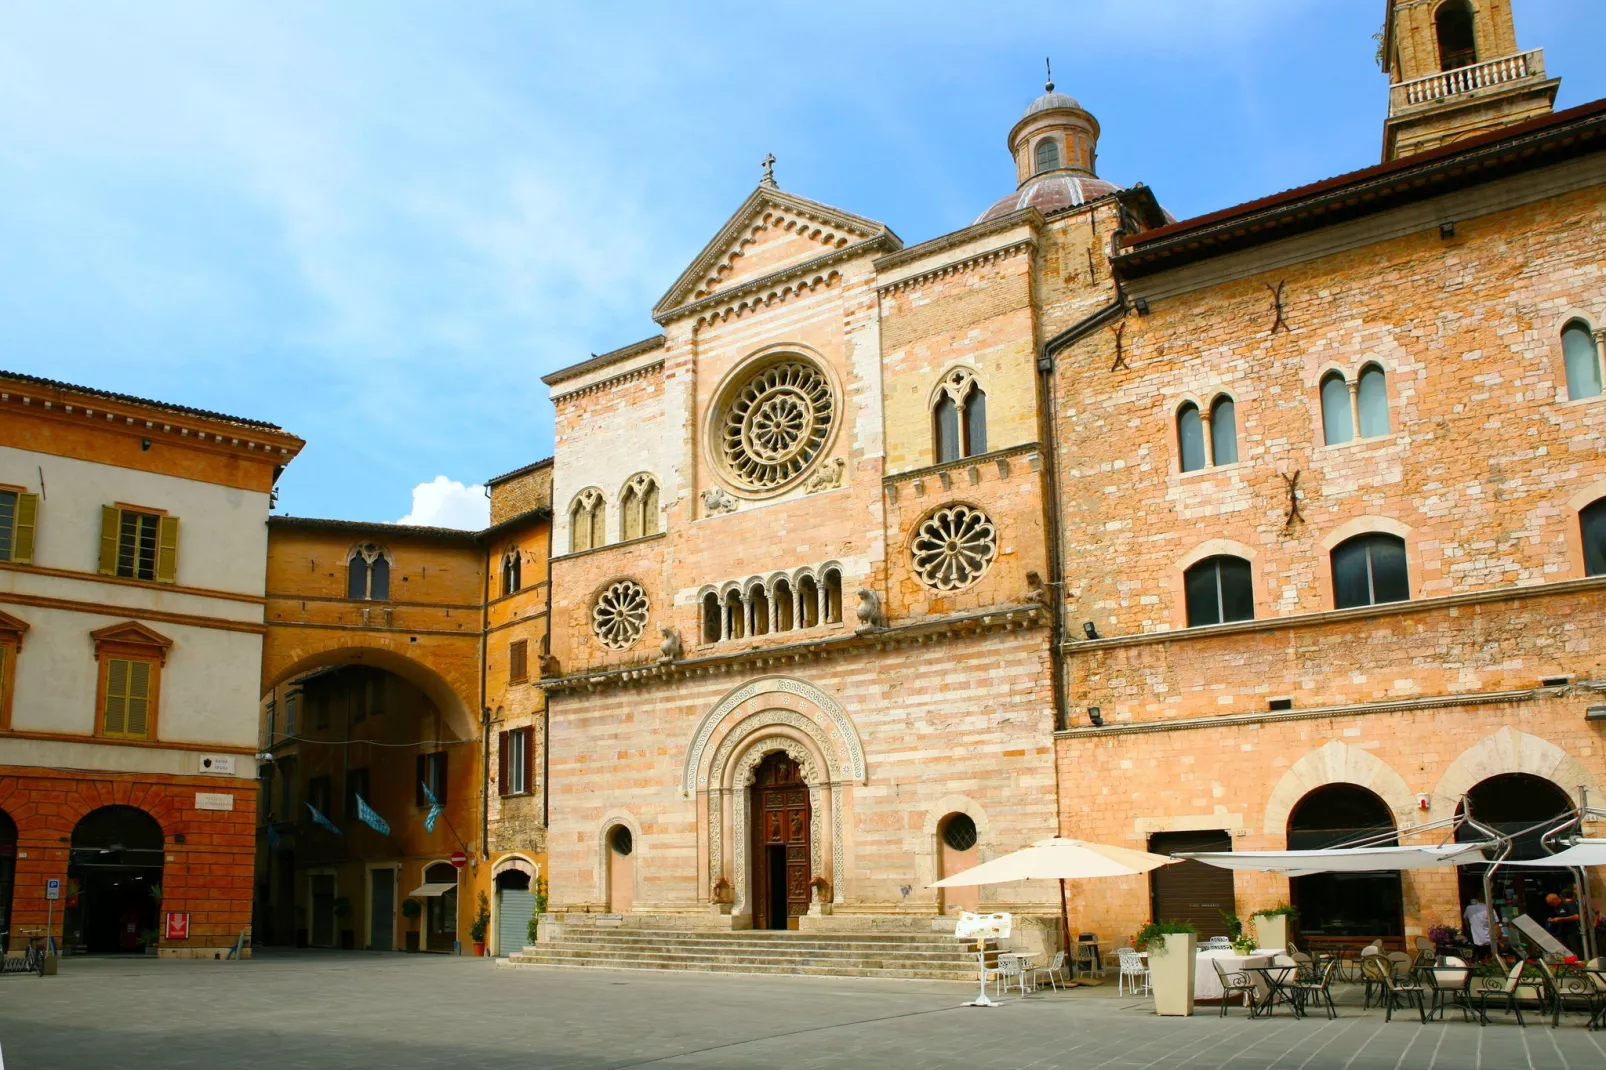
{"x":780,"y":878}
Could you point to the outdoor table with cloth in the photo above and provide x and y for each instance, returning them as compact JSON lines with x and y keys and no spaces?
{"x":1207,"y":985}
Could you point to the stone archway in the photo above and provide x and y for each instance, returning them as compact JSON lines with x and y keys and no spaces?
{"x":737,"y":793}
{"x":451,"y":683}
{"x":1512,"y":751}
{"x":1337,"y":763}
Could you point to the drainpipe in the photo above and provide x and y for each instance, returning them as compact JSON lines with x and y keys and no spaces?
{"x":546,"y":713}
{"x":485,"y":711}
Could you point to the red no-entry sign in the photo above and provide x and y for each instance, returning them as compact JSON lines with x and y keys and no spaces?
{"x":459,"y":859}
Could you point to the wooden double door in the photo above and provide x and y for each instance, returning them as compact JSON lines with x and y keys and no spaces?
{"x":780,"y":878}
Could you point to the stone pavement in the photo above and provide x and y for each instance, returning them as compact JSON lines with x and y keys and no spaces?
{"x":289,"y":1010}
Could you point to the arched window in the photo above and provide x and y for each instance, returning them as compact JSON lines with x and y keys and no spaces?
{"x":638,"y":508}
{"x":735,"y":616}
{"x":510,"y":570}
{"x":587,"y":515}
{"x":975,"y":421}
{"x":1219,"y":591}
{"x":1047,"y":156}
{"x":1224,"y":431}
{"x":1359,"y":906}
{"x":1369,"y":570}
{"x":368,"y":573}
{"x":1582,"y":356}
{"x":1190,"y":437}
{"x":946,"y":418}
{"x":1372,"y":401}
{"x":808,"y":596}
{"x":783,"y":606}
{"x":1338,"y":421}
{"x":711,"y":622}
{"x":959,"y":417}
{"x":759,"y":599}
{"x":833,"y":597}
{"x":1457,"y":46}
{"x":1592,"y":523}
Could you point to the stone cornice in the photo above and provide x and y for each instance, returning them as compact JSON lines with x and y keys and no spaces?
{"x":611,"y":381}
{"x":605,"y":547}
{"x":936,"y":470}
{"x":1028,"y":216}
{"x":777,"y":284}
{"x":926,"y":630}
{"x":981,"y":258}
{"x":1332,"y":616}
{"x":613,"y":356}
{"x":44,"y":399}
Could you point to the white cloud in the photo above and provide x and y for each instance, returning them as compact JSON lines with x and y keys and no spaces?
{"x":446,"y":503}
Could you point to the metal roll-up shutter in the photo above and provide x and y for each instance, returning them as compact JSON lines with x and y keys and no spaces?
{"x":514,"y":909}
{"x":1188,"y":890}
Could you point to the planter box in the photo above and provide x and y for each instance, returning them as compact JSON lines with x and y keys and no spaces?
{"x":1272,"y":932}
{"x":1171,"y":962}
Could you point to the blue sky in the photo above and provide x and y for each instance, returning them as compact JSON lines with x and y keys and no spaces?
{"x":379,"y":223}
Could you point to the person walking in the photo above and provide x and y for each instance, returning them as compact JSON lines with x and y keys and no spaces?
{"x":1477,"y":919}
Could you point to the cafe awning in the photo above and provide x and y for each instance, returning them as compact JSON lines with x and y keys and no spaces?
{"x":426,"y":890}
{"x":1346,"y":859}
{"x":1581,"y":853}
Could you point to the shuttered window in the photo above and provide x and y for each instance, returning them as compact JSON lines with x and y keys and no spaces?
{"x":18,"y":515}
{"x":429,"y":769}
{"x":138,"y":545}
{"x":127,"y":707}
{"x":518,"y":661}
{"x":515,"y":762}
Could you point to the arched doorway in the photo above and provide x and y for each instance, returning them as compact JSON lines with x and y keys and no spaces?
{"x":515,"y":906}
{"x":440,"y":927}
{"x":8,"y":873}
{"x":957,"y":851}
{"x":1345,"y":908}
{"x":1524,"y":807}
{"x":114,"y":881}
{"x":621,"y":870}
{"x":780,"y":879}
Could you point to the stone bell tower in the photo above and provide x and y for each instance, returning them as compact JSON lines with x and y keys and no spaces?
{"x":1455,"y":71}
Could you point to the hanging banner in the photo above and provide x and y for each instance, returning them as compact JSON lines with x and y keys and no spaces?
{"x":434,"y":808}
{"x":321,"y":821}
{"x":368,"y":816}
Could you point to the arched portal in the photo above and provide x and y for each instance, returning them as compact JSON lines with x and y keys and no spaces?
{"x":1350,"y":907}
{"x":1524,"y":807}
{"x":114,"y":882}
{"x":8,"y":872}
{"x":780,"y":807}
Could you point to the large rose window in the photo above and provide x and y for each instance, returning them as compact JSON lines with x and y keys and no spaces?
{"x":953,"y":547}
{"x":620,"y":614}
{"x":772,"y":425}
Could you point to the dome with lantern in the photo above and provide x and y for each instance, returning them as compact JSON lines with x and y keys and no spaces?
{"x":1055,"y":146}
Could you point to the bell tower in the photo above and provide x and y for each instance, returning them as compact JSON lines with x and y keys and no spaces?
{"x":1455,"y":71}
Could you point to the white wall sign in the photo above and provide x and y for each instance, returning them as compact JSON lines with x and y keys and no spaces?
{"x":222,"y":764}
{"x":207,"y":800}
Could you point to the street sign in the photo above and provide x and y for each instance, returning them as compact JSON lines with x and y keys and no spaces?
{"x":459,"y":859}
{"x":53,"y":888}
{"x":178,"y":926}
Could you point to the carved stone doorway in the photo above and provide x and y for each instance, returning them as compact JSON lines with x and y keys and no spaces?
{"x":780,"y":878}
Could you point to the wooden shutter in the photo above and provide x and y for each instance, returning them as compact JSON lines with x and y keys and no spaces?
{"x":139,"y":698}
{"x":115,"y":715}
{"x":23,"y":527}
{"x":419,"y":798}
{"x":167,"y":550}
{"x":518,"y":661}
{"x":501,"y":763}
{"x":529,"y":759}
{"x":111,"y":521}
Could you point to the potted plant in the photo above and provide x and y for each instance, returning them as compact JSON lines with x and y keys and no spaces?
{"x":411,"y":910}
{"x":540,"y":908}
{"x":1172,"y":946}
{"x":149,"y":937}
{"x":1271,"y":925}
{"x":1240,"y":940}
{"x":342,"y":909}
{"x":1444,"y":937}
{"x":480,"y":926}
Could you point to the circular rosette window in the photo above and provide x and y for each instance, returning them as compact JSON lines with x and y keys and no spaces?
{"x":954,"y":546}
{"x":620,"y":615}
{"x":772,"y":424}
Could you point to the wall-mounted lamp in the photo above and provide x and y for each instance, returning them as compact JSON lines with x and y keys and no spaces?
{"x":1595,"y":713}
{"x":144,"y":443}
{"x":1095,"y":716}
{"x":1446,"y":230}
{"x":1088,"y":630}
{"x":1141,"y":304}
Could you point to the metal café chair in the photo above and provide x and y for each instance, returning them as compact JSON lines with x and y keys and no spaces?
{"x":1318,"y":986}
{"x":1453,"y":980}
{"x":1011,"y":969}
{"x":1134,"y":972}
{"x":1234,"y":983}
{"x":1087,"y":959}
{"x":1506,"y":992}
{"x":1396,"y":992}
{"x":1055,"y":967}
{"x":1569,"y":989}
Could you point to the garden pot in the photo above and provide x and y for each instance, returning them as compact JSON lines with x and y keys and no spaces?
{"x":411,"y":941}
{"x":1272,"y":931}
{"x":479,"y":950}
{"x":1171,"y":961}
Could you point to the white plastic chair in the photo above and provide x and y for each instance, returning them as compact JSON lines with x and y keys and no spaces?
{"x":1011,"y":970}
{"x":1218,"y":943}
{"x":1134,"y":972}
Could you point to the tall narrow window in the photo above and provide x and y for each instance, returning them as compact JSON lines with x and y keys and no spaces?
{"x":783,"y":606}
{"x":808,"y":597}
{"x":959,"y":417}
{"x":1047,"y":155}
{"x":1457,"y":44}
{"x":429,"y":770}
{"x":1372,"y":401}
{"x":946,"y":417}
{"x":1190,"y":437}
{"x":1369,"y":570}
{"x":368,"y":573}
{"x":1338,"y":419}
{"x":735,"y":616}
{"x":1224,"y":431}
{"x":518,"y":661}
{"x":18,"y":514}
{"x":357,"y":577}
{"x":833,"y":597}
{"x":1592,"y":521}
{"x":975,"y":421}
{"x":639,"y":507}
{"x":711,"y":631}
{"x":760,"y":601}
{"x":126,"y":704}
{"x":1219,"y":591}
{"x":510,"y":570}
{"x":379,"y":579}
{"x":587,"y":515}
{"x":1582,"y":356}
{"x":515,"y":768}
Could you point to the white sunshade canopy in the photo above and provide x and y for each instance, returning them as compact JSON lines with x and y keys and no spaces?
{"x":1058,"y":859}
{"x":425,"y":890}
{"x":1582,"y":853}
{"x":1346,"y":859}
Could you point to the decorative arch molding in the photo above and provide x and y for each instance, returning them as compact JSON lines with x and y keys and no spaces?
{"x":744,"y":771}
{"x":926,"y":851}
{"x":516,"y":861}
{"x":637,"y":850}
{"x":727,"y":775}
{"x":1366,"y":525}
{"x":1337,"y":762}
{"x":1588,"y":496}
{"x":1215,"y":548}
{"x":830,"y":717}
{"x":1511,"y":751}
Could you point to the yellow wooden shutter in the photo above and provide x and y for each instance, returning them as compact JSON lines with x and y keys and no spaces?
{"x":23,"y":527}
{"x":167,"y":550}
{"x":111,"y":522}
{"x":116,"y":712}
{"x":139,"y":698}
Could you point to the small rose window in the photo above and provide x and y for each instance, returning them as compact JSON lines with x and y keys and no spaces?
{"x":620,"y":615}
{"x":954,"y":546}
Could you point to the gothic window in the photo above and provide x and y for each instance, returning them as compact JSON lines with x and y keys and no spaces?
{"x":1592,"y":524}
{"x":833,"y":596}
{"x":510,"y":570}
{"x":1457,"y":46}
{"x":1369,"y":570}
{"x":1047,"y":156}
{"x":587,"y":515}
{"x":1219,"y":591}
{"x":1582,"y":357}
{"x":1190,"y":437}
{"x":735,"y":616}
{"x":808,"y":596}
{"x":953,"y":547}
{"x":711,"y":618}
{"x":959,"y":417}
{"x":783,"y":606}
{"x":759,"y":600}
{"x":638,"y":507}
{"x":771,"y":425}
{"x":620,"y":614}
{"x":1372,"y":402}
{"x":1338,"y":421}
{"x":368,"y":573}
{"x":1224,"y":431}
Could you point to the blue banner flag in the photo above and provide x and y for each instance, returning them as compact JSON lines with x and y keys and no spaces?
{"x":321,"y":821}
{"x":434,"y":807}
{"x":367,"y":816}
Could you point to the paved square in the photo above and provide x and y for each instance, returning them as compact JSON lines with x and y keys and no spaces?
{"x":323,"y":1010}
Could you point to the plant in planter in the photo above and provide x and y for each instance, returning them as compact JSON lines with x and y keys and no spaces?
{"x":1271,"y":925}
{"x":411,"y":909}
{"x":342,"y":910}
{"x":1172,"y":946}
{"x":1443,"y":936}
{"x":1236,"y":936}
{"x":148,"y":939}
{"x":481,"y":925}
{"x":540,"y":908}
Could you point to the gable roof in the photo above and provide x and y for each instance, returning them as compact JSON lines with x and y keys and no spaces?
{"x":861,"y":233}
